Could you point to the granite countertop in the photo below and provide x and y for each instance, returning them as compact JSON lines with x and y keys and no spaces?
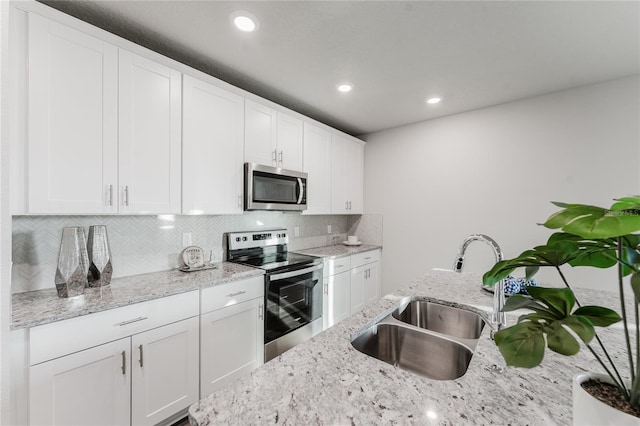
{"x":326,"y":381}
{"x":338,"y":250}
{"x":44,"y":306}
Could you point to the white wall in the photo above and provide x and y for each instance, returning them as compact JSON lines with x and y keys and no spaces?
{"x":5,"y":218}
{"x":494,"y":171}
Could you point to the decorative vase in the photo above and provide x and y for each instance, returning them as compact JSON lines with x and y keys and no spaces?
{"x":100,"y":267}
{"x":589,"y":410}
{"x":73,"y":263}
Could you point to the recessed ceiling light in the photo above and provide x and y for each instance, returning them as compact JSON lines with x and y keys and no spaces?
{"x":433,"y":100}
{"x":245,"y":21}
{"x":344,"y":87}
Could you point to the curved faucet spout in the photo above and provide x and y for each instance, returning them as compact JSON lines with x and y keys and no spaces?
{"x":498,"y":318}
{"x":459,"y":262}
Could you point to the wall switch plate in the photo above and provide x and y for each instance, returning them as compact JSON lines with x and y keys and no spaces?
{"x":328,"y":229}
{"x":296,"y":232}
{"x":186,"y":239}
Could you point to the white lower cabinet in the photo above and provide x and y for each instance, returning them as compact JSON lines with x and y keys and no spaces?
{"x":337,"y":298}
{"x":145,"y":376}
{"x":90,"y":387}
{"x":231,"y":332}
{"x":351,"y":282}
{"x":164,"y":371}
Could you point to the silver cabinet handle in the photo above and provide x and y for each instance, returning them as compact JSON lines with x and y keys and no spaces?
{"x":339,"y":266}
{"x":124,"y":363}
{"x":125,"y":196}
{"x":111,"y":195}
{"x":274,"y":156}
{"x":326,"y":289}
{"x":261,"y":312}
{"x":131,"y":321}
{"x":346,"y":205}
{"x":281,"y":156}
{"x":237,"y":293}
{"x":239,"y":200}
{"x":140,"y":360}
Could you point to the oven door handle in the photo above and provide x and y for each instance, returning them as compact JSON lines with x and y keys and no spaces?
{"x":301,"y":186}
{"x":297,"y":272}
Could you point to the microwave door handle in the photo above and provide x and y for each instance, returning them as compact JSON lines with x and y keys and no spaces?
{"x":301,"y":190}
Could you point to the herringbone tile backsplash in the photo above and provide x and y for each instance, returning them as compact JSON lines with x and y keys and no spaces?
{"x":141,"y":244}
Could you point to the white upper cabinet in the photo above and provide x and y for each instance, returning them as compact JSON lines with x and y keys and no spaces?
{"x":317,"y":164}
{"x":346,"y":176}
{"x":289,"y":138}
{"x":260,"y":134}
{"x":150,"y":136}
{"x":272,"y":138}
{"x":212,"y":149}
{"x":72,"y":125}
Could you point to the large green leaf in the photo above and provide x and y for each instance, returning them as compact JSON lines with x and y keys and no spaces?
{"x":597,"y":222}
{"x":560,"y":300}
{"x":560,"y":340}
{"x":627,"y":203}
{"x":581,"y":326}
{"x":521,"y":345}
{"x":518,"y":301}
{"x":598,"y":316}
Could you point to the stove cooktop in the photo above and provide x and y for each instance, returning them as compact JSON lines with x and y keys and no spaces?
{"x":273,"y":262}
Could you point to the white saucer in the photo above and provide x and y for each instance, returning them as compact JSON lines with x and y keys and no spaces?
{"x":347,"y":243}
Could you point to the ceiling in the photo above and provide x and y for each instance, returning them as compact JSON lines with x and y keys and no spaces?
{"x":396,"y":53}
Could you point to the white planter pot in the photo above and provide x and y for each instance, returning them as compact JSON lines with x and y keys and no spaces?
{"x":588,"y":410}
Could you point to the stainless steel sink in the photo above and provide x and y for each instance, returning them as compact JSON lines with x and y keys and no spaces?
{"x":413,"y":350}
{"x":443,"y":319}
{"x":425,"y":338}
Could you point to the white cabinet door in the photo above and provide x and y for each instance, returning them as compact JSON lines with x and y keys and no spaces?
{"x":164,"y":371}
{"x":149,"y":136}
{"x":90,"y":387}
{"x":73,"y":119}
{"x":289,"y":144}
{"x":212,"y":149}
{"x":339,"y":298}
{"x":232,"y":344}
{"x":317,"y":164}
{"x":372,"y":283}
{"x":354,"y":157}
{"x":358,"y":279}
{"x":346,"y":176}
{"x":260,"y":134}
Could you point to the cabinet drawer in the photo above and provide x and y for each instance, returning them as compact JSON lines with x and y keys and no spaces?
{"x":64,"y":337}
{"x":364,"y":258}
{"x":336,"y":266}
{"x":228,"y":294}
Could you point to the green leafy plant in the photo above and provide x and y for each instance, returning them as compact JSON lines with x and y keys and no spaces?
{"x":593,"y":237}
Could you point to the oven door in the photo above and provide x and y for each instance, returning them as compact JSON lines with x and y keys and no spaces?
{"x":272,"y":188}
{"x":293,"y":299}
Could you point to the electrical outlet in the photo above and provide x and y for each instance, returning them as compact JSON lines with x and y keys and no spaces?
{"x":296,"y":232}
{"x":186,"y":239}
{"x":328,"y":229}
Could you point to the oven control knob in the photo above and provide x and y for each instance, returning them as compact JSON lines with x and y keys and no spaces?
{"x":284,"y":235}
{"x":238,"y":239}
{"x":244,"y":238}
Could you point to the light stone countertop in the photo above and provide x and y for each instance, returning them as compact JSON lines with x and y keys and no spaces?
{"x":44,"y":306}
{"x":325,"y":381}
{"x":338,"y":250}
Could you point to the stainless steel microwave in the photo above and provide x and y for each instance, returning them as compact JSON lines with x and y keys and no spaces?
{"x":273,"y":188}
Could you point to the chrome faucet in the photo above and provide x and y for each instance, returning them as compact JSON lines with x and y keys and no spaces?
{"x":498,"y":318}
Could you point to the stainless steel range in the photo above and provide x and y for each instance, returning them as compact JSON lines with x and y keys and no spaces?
{"x":293,"y":287}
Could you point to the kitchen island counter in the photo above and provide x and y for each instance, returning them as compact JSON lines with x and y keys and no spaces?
{"x":326,"y":381}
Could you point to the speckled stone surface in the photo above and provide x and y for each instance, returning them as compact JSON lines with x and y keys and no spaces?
{"x":338,"y":250}
{"x":325,"y":381}
{"x":44,"y":306}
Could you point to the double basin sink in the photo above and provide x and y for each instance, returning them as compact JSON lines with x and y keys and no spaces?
{"x":425,"y":338}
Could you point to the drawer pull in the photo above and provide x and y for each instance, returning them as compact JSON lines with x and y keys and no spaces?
{"x":124,"y":363}
{"x":237,"y":293}
{"x":140,"y":360}
{"x":261,"y":312}
{"x":339,"y":266}
{"x":131,"y":321}
{"x":367,"y":258}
